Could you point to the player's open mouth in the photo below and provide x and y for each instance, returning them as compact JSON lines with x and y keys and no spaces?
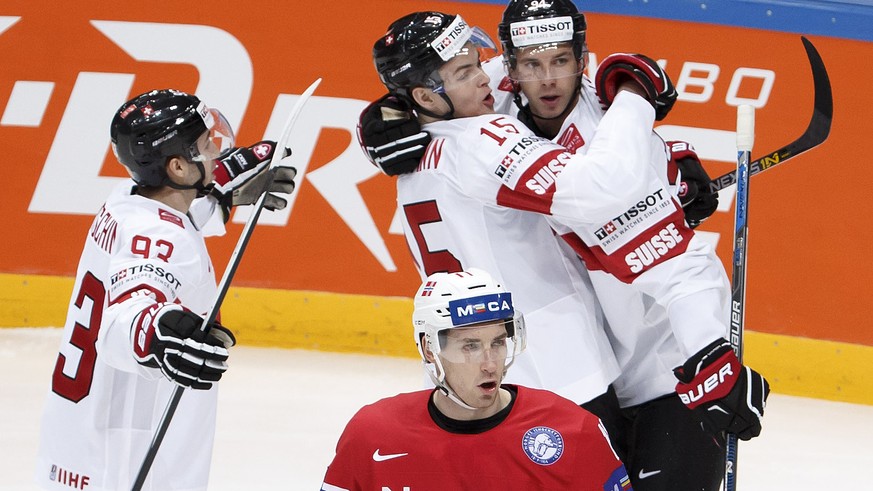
{"x":489,"y":385}
{"x":489,"y":100}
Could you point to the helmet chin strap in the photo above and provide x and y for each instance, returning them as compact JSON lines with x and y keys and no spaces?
{"x":443,"y":386}
{"x":202,"y":189}
{"x":526,"y":115}
{"x":448,"y":115}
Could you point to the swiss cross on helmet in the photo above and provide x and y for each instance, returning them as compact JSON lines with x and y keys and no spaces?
{"x":418,"y":44}
{"x":537,"y":22}
{"x":157,"y":125}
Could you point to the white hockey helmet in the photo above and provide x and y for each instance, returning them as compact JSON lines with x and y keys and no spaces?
{"x":458,"y":300}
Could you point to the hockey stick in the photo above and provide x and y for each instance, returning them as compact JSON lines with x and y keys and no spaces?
{"x":232,"y":265}
{"x":745,"y":139}
{"x":815,"y":134}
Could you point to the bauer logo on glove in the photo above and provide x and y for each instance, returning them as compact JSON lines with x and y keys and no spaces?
{"x":725,"y":395}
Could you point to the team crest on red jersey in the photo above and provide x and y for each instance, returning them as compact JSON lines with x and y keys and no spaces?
{"x":543,"y":445}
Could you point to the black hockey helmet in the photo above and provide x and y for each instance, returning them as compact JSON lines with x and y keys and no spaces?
{"x":157,"y":125}
{"x":536,"y":22}
{"x":418,"y":44}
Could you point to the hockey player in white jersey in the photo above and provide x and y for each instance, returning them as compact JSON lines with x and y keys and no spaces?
{"x":143,"y":282}
{"x":544,"y":54}
{"x":448,"y":231}
{"x":545,"y":50}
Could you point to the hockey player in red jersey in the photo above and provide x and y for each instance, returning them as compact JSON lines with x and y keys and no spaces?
{"x":144,"y":280}
{"x":545,"y":54}
{"x":472,"y":431}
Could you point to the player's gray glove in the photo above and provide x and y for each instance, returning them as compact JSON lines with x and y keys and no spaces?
{"x":390,"y":135}
{"x":698,"y":200}
{"x":168,"y":337}
{"x":618,"y":68}
{"x":241,"y":174}
{"x":724,"y":394}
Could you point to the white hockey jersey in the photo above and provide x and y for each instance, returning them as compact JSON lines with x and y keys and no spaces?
{"x":452,"y":221}
{"x":103,"y":407}
{"x":638,"y":327}
{"x":611,"y":206}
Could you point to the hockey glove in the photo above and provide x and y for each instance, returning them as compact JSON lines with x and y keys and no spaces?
{"x":390,"y":135}
{"x":618,"y":68}
{"x":726,"y":395}
{"x":697,"y":198}
{"x":241,"y":175}
{"x":168,"y":337}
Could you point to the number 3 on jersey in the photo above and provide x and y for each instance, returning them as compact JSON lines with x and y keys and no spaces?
{"x":422,"y":213}
{"x":89,"y":300}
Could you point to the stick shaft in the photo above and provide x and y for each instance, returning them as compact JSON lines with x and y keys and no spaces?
{"x":745,"y":141}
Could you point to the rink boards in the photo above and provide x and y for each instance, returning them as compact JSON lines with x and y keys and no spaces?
{"x":333,"y":271}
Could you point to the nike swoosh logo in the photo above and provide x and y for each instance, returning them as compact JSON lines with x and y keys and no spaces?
{"x":644,"y":474}
{"x":380,"y":458}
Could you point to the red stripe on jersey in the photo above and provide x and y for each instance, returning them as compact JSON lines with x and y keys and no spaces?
{"x":220,"y":175}
{"x":592,"y":263}
{"x":144,"y":331}
{"x":507,"y":85}
{"x":536,"y":186}
{"x":658,"y":243}
{"x":571,"y":139}
{"x":672,"y":171}
{"x":139,"y":291}
{"x":678,"y":150}
{"x":432,"y":154}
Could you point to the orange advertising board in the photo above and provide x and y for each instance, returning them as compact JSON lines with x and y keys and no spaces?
{"x":67,"y":66}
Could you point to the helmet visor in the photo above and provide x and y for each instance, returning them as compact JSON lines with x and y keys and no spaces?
{"x":545,"y":62}
{"x":461,"y":40}
{"x":219,"y":140}
{"x":496,"y":341}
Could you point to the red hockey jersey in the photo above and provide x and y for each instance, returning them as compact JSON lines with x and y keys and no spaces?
{"x":545,"y":443}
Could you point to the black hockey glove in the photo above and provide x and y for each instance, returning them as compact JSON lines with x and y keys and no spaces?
{"x":698,"y":200}
{"x":618,"y":68}
{"x":241,"y":174}
{"x":390,"y":135}
{"x":723,"y":393}
{"x":168,"y":337}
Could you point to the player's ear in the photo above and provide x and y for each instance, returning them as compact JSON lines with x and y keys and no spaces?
{"x":425,"y":98}
{"x":428,"y":354}
{"x":176,"y":167}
